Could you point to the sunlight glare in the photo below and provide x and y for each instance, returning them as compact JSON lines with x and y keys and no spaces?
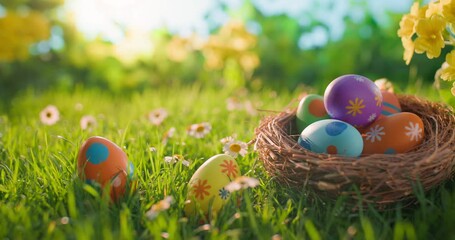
{"x":110,"y":18}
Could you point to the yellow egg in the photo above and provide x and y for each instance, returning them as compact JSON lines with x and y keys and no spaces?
{"x":206,"y":188}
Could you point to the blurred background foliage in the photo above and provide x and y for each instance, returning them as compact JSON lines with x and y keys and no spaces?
{"x":41,"y":48}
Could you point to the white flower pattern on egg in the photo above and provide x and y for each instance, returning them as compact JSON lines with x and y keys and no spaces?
{"x":413,"y":131}
{"x":372,"y":117}
{"x":359,"y":78}
{"x":375,"y":133}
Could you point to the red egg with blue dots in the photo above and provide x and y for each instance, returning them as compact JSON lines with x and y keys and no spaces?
{"x":332,"y":137}
{"x":353,"y":99}
{"x":102,"y":161}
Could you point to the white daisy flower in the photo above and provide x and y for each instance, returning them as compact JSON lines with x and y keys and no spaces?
{"x":160,"y":206}
{"x":375,"y":133}
{"x":250,"y":109}
{"x":78,"y":106}
{"x":233,"y":147}
{"x":199,"y":130}
{"x":413,"y":131}
{"x":88,"y":122}
{"x":227,"y":139}
{"x":233,"y":104}
{"x":169,"y":134}
{"x":50,"y":115}
{"x":242,"y":182}
{"x":176,"y":158}
{"x":157,"y":116}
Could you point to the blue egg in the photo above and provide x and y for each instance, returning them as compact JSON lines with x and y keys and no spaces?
{"x":332,"y":136}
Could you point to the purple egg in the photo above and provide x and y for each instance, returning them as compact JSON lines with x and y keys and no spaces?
{"x":354,"y":99}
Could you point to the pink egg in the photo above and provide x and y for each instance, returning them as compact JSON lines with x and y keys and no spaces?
{"x":353,"y":99}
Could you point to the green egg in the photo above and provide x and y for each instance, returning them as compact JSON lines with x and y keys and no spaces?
{"x":311,"y":109}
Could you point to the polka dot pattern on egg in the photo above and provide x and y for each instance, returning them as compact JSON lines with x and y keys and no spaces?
{"x":316,"y":108}
{"x":332,"y":149}
{"x":97,"y":153}
{"x":390,"y":151}
{"x":305,"y":143}
{"x":335,"y":128}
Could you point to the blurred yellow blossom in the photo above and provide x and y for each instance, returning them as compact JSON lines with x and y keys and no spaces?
{"x":408,"y":45}
{"x":407,"y":24}
{"x":434,"y":8}
{"x":448,"y":73}
{"x":232,"y":42}
{"x":178,"y":48}
{"x":448,"y":11}
{"x":18,"y":31}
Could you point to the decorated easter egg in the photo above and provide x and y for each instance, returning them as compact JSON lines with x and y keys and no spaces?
{"x":102,"y":161}
{"x":311,"y":109}
{"x":333,"y":137}
{"x":397,"y":133}
{"x":390,"y":103}
{"x":353,"y":99}
{"x":206,"y":188}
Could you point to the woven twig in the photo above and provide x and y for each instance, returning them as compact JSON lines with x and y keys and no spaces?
{"x":381,"y":179}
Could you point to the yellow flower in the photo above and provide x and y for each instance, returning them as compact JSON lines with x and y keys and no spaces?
{"x":407,"y":25}
{"x":448,"y":11}
{"x":448,"y":73}
{"x":408,"y":21}
{"x":355,"y":107}
{"x":408,"y":29}
{"x":418,"y":12}
{"x":430,"y":39}
{"x":408,"y":45}
{"x":433,"y":8}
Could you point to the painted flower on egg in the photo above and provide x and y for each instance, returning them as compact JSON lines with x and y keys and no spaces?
{"x":413,"y":131}
{"x":375,"y":133}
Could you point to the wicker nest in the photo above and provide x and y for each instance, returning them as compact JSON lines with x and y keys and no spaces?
{"x":380,"y":179}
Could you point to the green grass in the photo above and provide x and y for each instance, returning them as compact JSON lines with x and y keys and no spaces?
{"x":41,"y":196}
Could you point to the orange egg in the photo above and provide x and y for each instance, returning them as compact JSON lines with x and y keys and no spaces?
{"x":397,"y":133}
{"x":390,"y":104}
{"x":102,"y":161}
